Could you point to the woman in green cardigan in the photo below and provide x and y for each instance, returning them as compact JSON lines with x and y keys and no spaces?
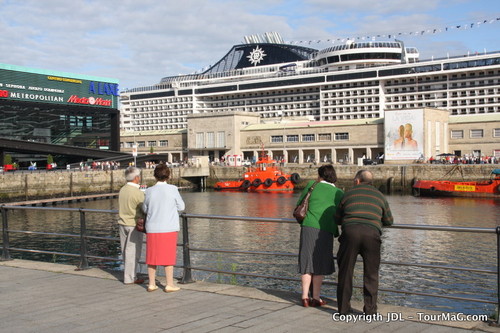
{"x":317,"y":233}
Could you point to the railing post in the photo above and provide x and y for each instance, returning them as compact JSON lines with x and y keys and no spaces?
{"x":83,"y":242}
{"x":5,"y":235}
{"x":186,"y":257}
{"x":498,"y":274}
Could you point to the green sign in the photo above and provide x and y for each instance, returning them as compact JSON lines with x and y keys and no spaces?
{"x":23,"y":84}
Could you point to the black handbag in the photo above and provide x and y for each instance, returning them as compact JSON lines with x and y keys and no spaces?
{"x":140,"y":224}
{"x":300,"y":211}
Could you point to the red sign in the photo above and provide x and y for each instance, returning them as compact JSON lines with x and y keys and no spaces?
{"x":89,"y":100}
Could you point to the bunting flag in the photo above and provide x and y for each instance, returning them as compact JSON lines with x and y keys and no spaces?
{"x":398,"y":34}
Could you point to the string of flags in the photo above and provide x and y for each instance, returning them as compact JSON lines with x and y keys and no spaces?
{"x":398,"y":34}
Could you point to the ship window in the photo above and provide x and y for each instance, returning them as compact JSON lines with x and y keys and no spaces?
{"x":476,"y":133}
{"x":457,"y":134}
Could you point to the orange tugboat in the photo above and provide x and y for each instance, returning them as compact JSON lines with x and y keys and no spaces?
{"x":266,"y":177}
{"x":487,"y":188}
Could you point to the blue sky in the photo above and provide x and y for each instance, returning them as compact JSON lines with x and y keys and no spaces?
{"x":141,"y":41}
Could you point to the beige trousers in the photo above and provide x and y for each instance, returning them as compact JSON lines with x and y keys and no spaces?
{"x":131,"y":244}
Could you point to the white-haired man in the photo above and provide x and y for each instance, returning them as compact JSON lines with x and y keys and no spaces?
{"x":130,"y":201}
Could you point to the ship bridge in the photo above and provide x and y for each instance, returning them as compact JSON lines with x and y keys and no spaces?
{"x":366,"y":53}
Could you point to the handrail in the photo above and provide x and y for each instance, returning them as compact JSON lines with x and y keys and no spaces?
{"x":187,"y":248}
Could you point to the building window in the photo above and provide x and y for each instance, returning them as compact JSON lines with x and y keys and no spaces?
{"x":129,"y":144}
{"x":476,"y":133}
{"x":210,"y":139}
{"x":457,"y":134}
{"x":151,"y":143}
{"x":163,"y":143}
{"x":496,"y":133}
{"x":141,"y":143}
{"x":292,"y":138}
{"x":325,"y":137}
{"x":221,"y":139}
{"x":276,"y":138}
{"x":341,"y":136}
{"x":200,"y":142}
{"x":308,"y":137}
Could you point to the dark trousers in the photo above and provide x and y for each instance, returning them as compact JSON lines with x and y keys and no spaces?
{"x":364,"y":240}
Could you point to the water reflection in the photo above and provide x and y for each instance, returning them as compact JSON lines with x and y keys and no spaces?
{"x":426,"y":247}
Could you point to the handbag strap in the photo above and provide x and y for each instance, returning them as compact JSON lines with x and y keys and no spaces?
{"x":308,"y":194}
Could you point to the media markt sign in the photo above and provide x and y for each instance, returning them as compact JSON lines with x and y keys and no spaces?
{"x":32,"y":85}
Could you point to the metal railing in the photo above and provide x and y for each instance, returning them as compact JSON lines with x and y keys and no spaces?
{"x":187,"y":248}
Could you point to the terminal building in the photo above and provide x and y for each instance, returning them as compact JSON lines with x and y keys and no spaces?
{"x":337,"y":104}
{"x":46,"y":111}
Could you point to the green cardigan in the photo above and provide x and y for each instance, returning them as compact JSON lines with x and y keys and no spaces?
{"x":323,"y":204}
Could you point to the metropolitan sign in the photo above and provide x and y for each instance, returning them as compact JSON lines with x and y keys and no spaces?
{"x":35,"y":85}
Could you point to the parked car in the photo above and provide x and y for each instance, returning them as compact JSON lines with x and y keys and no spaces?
{"x":367,"y":161}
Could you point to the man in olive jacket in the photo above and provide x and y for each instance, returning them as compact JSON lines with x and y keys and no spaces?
{"x":362,"y":212}
{"x":130,"y":200}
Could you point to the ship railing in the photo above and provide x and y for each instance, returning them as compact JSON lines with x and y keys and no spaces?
{"x":187,"y":266}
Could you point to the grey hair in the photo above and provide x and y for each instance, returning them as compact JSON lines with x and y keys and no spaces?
{"x":131,"y":173}
{"x":364,"y":176}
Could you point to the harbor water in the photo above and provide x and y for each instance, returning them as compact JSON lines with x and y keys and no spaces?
{"x":408,"y":246}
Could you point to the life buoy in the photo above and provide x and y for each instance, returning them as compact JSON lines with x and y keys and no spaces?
{"x":295,"y":178}
{"x":281,"y":180}
{"x":268,"y":182}
{"x":246,"y":184}
{"x":256,"y":182}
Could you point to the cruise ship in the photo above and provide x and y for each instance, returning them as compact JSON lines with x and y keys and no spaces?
{"x":284,"y":82}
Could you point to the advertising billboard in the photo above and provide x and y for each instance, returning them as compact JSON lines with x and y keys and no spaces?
{"x":404,"y":134}
{"x":31,"y":85}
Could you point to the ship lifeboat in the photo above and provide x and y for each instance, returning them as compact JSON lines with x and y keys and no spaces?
{"x":265,"y":177}
{"x":444,"y":188}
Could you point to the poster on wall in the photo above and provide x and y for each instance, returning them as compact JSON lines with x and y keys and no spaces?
{"x":404,"y":135}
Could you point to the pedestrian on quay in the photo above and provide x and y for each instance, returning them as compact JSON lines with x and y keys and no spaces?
{"x":316,"y":234}
{"x":130,"y":200}
{"x":162,"y":205}
{"x":362,"y":213}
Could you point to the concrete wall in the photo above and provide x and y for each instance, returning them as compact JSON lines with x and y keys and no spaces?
{"x":37,"y":185}
{"x":397,"y":178}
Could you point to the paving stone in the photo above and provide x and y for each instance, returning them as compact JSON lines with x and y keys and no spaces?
{"x":54,"y":298}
